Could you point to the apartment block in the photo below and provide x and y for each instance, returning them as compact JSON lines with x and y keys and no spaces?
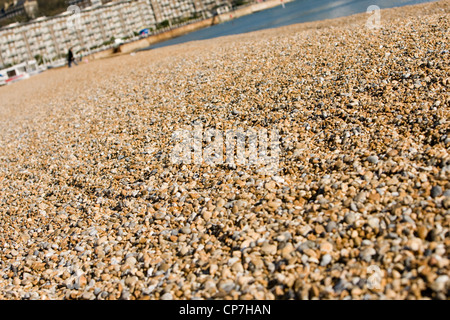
{"x":49,"y":38}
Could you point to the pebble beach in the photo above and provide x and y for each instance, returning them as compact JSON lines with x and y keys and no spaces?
{"x":92,"y":207}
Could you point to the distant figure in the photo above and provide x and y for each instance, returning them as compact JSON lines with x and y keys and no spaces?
{"x":70,"y":58}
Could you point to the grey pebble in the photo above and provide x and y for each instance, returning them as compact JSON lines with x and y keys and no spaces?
{"x":373,"y":159}
{"x":436,"y":191}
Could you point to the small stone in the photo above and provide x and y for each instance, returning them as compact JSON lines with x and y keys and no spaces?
{"x":393,"y":152}
{"x":131,"y":281}
{"x":131,"y":261}
{"x":88,"y":296}
{"x":167,"y":296}
{"x":415,"y":244}
{"x":310,"y":253}
{"x":125,"y":295}
{"x":184,"y":251}
{"x":408,"y":219}
{"x":350,"y":217}
{"x":440,"y":283}
{"x":374,"y":223}
{"x":422,"y":232}
{"x":237,"y":267}
{"x":372,"y":159}
{"x":226,"y":285}
{"x":326,"y":247}
{"x":367,"y":254}
{"x":240,"y":205}
{"x":285,"y":236}
{"x":268,"y":249}
{"x":82,"y":281}
{"x":164,"y":267}
{"x":331,"y":226}
{"x":159,"y":215}
{"x":186,"y":230}
{"x":361,"y":197}
{"x":305,"y":230}
{"x":206,"y":215}
{"x":446,"y":203}
{"x":287,"y":250}
{"x":213,"y":269}
{"x":436,"y":191}
{"x":270,"y":185}
{"x":326,"y":259}
{"x":433,"y":235}
{"x":319,"y":229}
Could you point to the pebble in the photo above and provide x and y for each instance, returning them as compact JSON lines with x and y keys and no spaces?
{"x":422,"y":232}
{"x":436,"y":191}
{"x":374,"y":223}
{"x":268,"y":249}
{"x":79,"y":248}
{"x":167,"y":296}
{"x":326,"y":260}
{"x":284,"y":237}
{"x":131,"y":261}
{"x":367,"y":254}
{"x":440,"y":283}
{"x":373,"y":159}
{"x":186,"y":230}
{"x":331,"y":226}
{"x":350,"y":217}
{"x":446,"y":203}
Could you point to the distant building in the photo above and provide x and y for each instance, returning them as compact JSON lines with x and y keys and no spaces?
{"x":88,"y":3}
{"x":172,"y":9}
{"x":209,"y":5}
{"x":49,"y":38}
{"x":80,"y":3}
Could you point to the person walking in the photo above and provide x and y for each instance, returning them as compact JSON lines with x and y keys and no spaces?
{"x":71,"y":58}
